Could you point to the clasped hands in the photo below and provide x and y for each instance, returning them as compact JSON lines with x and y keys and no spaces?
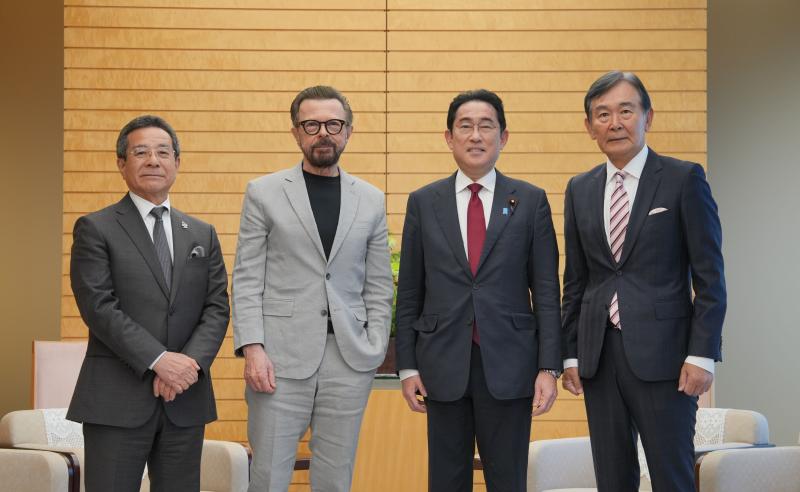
{"x":175,"y":372}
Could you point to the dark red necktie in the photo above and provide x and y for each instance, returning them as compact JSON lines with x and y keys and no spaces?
{"x":476,"y":234}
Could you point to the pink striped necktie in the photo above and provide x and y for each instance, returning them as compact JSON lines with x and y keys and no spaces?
{"x":618,"y":225}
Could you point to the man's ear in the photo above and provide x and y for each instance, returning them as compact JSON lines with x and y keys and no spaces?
{"x":295,"y":133}
{"x":589,"y":129}
{"x":448,"y":137}
{"x":649,"y":119}
{"x":503,"y":138}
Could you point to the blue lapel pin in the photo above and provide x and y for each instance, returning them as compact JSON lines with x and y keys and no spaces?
{"x":505,"y":210}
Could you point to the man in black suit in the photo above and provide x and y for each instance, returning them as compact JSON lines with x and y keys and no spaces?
{"x":478,"y":306}
{"x":151,"y":286}
{"x":641,"y":231}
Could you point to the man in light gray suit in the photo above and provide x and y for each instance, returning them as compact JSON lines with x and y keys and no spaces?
{"x":312,"y":293}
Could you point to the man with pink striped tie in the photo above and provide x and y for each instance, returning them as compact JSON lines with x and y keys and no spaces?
{"x":641,"y":232}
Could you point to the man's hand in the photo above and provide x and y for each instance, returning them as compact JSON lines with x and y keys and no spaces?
{"x":412,"y":387}
{"x":571,"y":381}
{"x":162,"y":389}
{"x":694,"y":380}
{"x":544,"y":394}
{"x":177,"y":370}
{"x":259,"y":373}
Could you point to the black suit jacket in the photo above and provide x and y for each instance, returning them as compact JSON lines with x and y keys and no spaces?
{"x":132,"y":317}
{"x":514,"y":296}
{"x":664,"y":256}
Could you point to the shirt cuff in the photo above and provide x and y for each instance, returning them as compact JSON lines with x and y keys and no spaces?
{"x":570,"y":363}
{"x":151,"y":366}
{"x":701,"y":362}
{"x":407,"y":373}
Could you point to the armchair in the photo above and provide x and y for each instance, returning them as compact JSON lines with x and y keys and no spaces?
{"x":566,"y":464}
{"x":224,"y":466}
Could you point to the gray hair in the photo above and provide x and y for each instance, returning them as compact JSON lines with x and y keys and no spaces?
{"x":607,"y":81}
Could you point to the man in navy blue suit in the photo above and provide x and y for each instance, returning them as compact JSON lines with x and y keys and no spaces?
{"x":641,"y":233}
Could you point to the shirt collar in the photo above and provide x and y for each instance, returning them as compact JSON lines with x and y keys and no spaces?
{"x":488,"y":181}
{"x":144,"y":206}
{"x":633,"y":168}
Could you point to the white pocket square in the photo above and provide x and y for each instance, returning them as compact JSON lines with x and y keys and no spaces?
{"x":657,"y":211}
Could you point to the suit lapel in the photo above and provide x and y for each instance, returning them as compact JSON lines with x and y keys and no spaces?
{"x":597,"y":194}
{"x":447,"y":216}
{"x":503,"y":193}
{"x":645,"y":192}
{"x":181,"y":241}
{"x":131,"y":222}
{"x":295,"y":188}
{"x":347,"y":211}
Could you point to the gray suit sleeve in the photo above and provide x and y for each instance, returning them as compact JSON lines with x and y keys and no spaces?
{"x":249,"y":274}
{"x":378,"y":285}
{"x":209,"y":333}
{"x":90,"y":277}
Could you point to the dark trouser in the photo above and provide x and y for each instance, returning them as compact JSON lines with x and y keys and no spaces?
{"x":501,"y":428}
{"x":115,"y":456}
{"x":619,"y":405}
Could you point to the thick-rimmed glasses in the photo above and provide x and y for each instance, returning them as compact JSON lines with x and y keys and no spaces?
{"x":333,"y":127}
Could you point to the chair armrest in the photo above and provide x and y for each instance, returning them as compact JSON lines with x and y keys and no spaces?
{"x":560,"y":463}
{"x":762,"y":469}
{"x":32,"y":470}
{"x":224,"y":467}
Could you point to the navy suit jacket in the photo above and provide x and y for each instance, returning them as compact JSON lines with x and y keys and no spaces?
{"x":514,"y":297}
{"x":664,"y":257}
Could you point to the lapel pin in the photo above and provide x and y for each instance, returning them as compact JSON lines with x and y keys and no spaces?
{"x":512,"y":204}
{"x":184,"y":225}
{"x":505,"y":210}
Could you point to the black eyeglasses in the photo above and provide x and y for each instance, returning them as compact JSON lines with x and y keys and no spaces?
{"x":333,"y":127}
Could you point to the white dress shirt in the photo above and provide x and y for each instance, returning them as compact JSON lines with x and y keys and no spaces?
{"x":144,"y":207}
{"x":486,"y":194}
{"x":633,"y":173}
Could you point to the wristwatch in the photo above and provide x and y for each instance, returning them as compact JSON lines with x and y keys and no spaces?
{"x":553,"y":372}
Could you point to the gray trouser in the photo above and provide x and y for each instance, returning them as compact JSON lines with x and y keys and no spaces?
{"x":332,"y":402}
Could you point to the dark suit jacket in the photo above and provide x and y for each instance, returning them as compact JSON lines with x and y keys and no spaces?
{"x":514,"y":296}
{"x":132,"y":317}
{"x":663,"y":257}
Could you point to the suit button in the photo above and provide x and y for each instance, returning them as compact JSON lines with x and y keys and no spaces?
{"x":327,"y":276}
{"x":475,"y":286}
{"x":324,"y":312}
{"x":619,"y":273}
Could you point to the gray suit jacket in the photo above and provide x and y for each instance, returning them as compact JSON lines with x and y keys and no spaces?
{"x":283,"y":285}
{"x":132,"y":317}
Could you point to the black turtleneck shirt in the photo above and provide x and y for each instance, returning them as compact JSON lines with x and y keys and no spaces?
{"x":325,"y":195}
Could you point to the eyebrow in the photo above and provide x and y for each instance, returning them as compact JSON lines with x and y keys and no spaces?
{"x":482,"y":120}
{"x":624,"y":104}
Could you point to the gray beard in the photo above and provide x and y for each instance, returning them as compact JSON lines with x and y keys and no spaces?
{"x":324,"y":162}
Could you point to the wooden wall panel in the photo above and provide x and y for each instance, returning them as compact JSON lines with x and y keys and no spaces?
{"x":224,"y":72}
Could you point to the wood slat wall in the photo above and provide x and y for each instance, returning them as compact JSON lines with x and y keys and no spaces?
{"x":224,"y":72}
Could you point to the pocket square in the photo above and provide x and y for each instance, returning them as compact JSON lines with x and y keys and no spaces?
{"x":657,"y":211}
{"x":197,"y":252}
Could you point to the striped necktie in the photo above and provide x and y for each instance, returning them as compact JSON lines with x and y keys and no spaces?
{"x":618,"y":225}
{"x":160,"y":242}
